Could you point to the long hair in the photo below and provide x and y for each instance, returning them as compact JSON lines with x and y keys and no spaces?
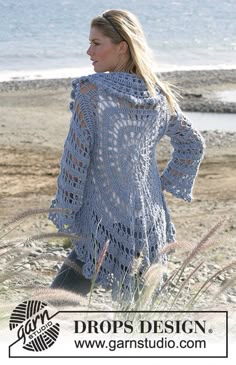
{"x":122,"y":25}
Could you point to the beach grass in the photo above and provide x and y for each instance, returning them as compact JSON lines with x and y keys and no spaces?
{"x":183,"y":287}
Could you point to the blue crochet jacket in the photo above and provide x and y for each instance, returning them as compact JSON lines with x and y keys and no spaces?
{"x":109,"y":179}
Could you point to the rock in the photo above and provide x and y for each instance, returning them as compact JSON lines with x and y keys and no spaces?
{"x":60,"y":248}
{"x":231,"y":299}
{"x":50,"y":254}
{"x":37,"y":282}
{"x":213,"y":267}
{"x":100,"y":295}
{"x":4,"y":287}
{"x":59,"y":253}
{"x":35,"y":254}
{"x":36,"y":264}
{"x":39,"y":250}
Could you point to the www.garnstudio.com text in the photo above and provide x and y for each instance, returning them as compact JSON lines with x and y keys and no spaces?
{"x":162,"y":343}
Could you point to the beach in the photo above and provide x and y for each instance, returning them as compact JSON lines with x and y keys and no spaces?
{"x":34,"y":123}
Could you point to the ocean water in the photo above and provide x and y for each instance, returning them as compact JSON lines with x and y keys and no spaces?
{"x":213,"y":121}
{"x":40,"y":38}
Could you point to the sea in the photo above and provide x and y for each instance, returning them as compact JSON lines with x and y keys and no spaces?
{"x":49,"y":39}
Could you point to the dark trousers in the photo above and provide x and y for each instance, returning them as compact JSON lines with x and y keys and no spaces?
{"x":70,"y":277}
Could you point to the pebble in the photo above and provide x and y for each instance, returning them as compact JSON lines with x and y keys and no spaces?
{"x":59,"y":249}
{"x":231,"y":299}
{"x":213,"y":267}
{"x":36,"y":264}
{"x":35,"y":254}
{"x":220,"y":277}
{"x":50,"y":254}
{"x":59,"y":253}
{"x":39,"y":250}
{"x":4,"y":287}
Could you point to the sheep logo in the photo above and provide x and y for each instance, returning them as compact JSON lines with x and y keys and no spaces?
{"x":34,"y":326}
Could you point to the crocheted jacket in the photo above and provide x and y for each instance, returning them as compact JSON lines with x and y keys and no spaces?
{"x":109,"y":180}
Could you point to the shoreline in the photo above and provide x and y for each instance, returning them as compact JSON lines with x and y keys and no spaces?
{"x":34,"y":123}
{"x":70,"y":72}
{"x":199,"y":89}
{"x":31,"y":111}
{"x":35,"y":119}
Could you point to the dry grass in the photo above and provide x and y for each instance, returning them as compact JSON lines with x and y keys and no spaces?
{"x":185,"y":288}
{"x":179,"y":290}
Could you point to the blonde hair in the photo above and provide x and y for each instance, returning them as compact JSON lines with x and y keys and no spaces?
{"x":122,"y":25}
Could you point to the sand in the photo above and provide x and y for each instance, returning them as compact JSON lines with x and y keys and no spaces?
{"x":34,"y":123}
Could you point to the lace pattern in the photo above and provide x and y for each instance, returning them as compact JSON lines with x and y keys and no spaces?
{"x":109,"y":179}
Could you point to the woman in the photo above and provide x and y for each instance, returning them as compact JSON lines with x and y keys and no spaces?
{"x":109,"y":180}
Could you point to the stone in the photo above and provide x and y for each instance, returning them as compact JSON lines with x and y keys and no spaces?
{"x":4,"y":287}
{"x":231,"y":299}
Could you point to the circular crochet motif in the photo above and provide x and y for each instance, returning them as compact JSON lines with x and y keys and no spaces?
{"x":34,"y":325}
{"x":110,"y":181}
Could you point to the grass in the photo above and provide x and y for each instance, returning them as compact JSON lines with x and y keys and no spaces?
{"x":181,"y":287}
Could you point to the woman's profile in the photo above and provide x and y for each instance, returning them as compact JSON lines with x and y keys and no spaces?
{"x":109,"y":182}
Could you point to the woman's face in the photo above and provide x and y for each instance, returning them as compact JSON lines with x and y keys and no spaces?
{"x":103,"y":53}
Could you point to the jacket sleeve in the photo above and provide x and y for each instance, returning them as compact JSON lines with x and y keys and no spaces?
{"x":75,"y":159}
{"x":188,"y":148}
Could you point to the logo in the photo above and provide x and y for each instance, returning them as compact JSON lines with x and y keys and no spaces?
{"x":34,"y":326}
